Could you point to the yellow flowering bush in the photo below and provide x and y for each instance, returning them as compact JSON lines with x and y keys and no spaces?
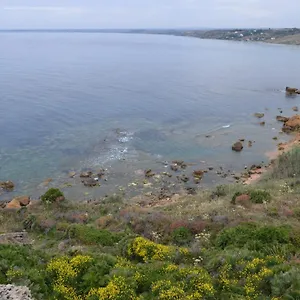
{"x":147,"y":250}
{"x":117,"y":289}
{"x":64,"y":272}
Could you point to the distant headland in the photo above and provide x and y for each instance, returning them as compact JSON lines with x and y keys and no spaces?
{"x":289,"y":36}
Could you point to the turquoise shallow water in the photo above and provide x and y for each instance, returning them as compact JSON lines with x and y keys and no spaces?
{"x":124,"y":102}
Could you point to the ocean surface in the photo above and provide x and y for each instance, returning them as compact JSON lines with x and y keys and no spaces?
{"x":130,"y":102}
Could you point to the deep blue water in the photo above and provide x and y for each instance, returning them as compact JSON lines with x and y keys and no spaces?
{"x":66,"y":96}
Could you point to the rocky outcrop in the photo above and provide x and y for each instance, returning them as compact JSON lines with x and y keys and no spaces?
{"x":238,"y":147}
{"x":293,"y":124}
{"x":13,"y":292}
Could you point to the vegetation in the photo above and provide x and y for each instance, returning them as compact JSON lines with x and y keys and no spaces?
{"x":204,"y":246}
{"x":52,"y":195}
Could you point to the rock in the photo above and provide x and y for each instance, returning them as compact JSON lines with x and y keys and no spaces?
{"x":243,"y":200}
{"x":101,"y":173}
{"x":223,"y":220}
{"x":149,"y":173}
{"x":210,"y":168}
{"x":293,"y":123}
{"x":47,"y":181}
{"x":242,"y":140}
{"x":180,"y":163}
{"x":238,"y":147}
{"x":259,"y":115}
{"x":262,"y":123}
{"x":12,"y":292}
{"x":295,"y":108}
{"x":184,"y":178}
{"x":275,"y":138}
{"x":174,"y":167}
{"x":86,"y":174}
{"x":291,"y":90}
{"x":15,"y":238}
{"x":63,"y":245}
{"x":250,"y":143}
{"x":7,"y":185}
{"x":191,"y":191}
{"x":18,"y":202}
{"x":198,"y":174}
{"x":72,"y":174}
{"x":90,"y":182}
{"x":282,"y":119}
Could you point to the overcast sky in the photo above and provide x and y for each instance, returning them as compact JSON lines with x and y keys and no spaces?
{"x":148,"y":13}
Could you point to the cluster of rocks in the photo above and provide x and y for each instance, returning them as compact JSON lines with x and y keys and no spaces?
{"x":239,"y":146}
{"x":90,"y":179}
{"x":16,"y":203}
{"x":291,"y":124}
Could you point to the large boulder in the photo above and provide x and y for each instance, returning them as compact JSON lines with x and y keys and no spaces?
{"x":238,"y":147}
{"x":291,"y":90}
{"x":293,"y":124}
{"x":18,"y":202}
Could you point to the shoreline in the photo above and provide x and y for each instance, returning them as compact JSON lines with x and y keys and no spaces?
{"x":272,"y":156}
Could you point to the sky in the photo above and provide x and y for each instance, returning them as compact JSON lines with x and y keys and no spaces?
{"x":84,"y":14}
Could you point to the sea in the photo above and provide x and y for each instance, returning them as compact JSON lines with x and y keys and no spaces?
{"x":126,"y":103}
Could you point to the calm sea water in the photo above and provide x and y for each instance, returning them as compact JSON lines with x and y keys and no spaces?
{"x":71,"y":101}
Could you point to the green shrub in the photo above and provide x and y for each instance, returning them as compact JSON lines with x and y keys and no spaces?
{"x":259,"y":196}
{"x":52,"y":195}
{"x":221,"y":191}
{"x":286,"y":285}
{"x":287,"y":165}
{"x":253,"y":237}
{"x":91,"y":236}
{"x":182,"y":236}
{"x":23,"y":265}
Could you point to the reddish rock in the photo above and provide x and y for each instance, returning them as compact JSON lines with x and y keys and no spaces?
{"x":262,"y":123}
{"x":198,"y":174}
{"x":295,"y":108}
{"x":18,"y":202}
{"x":293,"y":123}
{"x":238,"y":147}
{"x":23,"y":200}
{"x":243,"y":200}
{"x":291,"y":90}
{"x":14,"y":204}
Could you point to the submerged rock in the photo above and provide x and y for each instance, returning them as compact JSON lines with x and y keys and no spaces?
{"x":259,"y":115}
{"x":149,"y":173}
{"x":86,"y":174}
{"x":295,"y":108}
{"x":72,"y":174}
{"x":198,"y":174}
{"x":7,"y":185}
{"x":90,"y":182}
{"x":282,"y":119}
{"x":238,"y":147}
{"x":262,"y":123}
